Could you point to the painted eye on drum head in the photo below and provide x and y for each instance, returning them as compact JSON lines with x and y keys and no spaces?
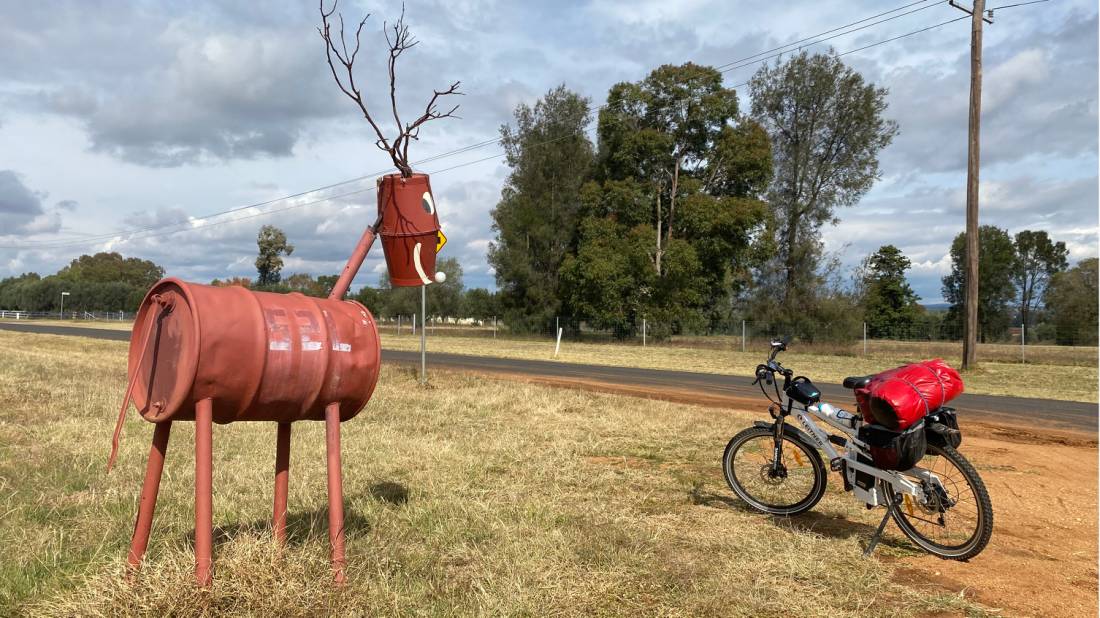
{"x":428,"y":203}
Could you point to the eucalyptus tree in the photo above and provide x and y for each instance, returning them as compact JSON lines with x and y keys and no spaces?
{"x":827,"y":127}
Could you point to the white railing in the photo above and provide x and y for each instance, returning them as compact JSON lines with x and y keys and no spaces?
{"x":99,"y":316}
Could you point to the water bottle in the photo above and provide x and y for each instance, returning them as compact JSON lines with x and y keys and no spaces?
{"x":836,"y":417}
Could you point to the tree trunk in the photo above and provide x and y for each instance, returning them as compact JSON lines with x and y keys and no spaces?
{"x":657,"y":257}
{"x":791,"y":262}
{"x":672,"y":198}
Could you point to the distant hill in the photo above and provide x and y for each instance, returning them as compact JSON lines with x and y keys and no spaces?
{"x":936,"y":307}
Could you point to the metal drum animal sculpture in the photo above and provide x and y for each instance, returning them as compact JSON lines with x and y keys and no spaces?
{"x":224,"y":354}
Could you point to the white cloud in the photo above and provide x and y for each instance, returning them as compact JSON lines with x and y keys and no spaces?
{"x":239,"y":100}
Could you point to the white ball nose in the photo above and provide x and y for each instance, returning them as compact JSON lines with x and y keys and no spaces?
{"x":440,"y":277}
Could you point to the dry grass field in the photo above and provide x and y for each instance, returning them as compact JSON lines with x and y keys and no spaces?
{"x":1072,"y":381}
{"x":474,"y":497}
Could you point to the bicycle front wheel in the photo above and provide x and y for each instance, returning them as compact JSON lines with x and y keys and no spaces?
{"x":793,"y":486}
{"x":953,"y":521}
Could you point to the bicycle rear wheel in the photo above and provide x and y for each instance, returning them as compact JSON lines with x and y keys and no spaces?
{"x":954,"y":522}
{"x":793,"y":488}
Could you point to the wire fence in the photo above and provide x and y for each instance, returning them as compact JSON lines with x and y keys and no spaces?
{"x":1050,"y":345}
{"x":655,"y":332}
{"x":1042,"y":344}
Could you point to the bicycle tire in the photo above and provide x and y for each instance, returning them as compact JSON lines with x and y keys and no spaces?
{"x":817,"y":489}
{"x":973,"y":545}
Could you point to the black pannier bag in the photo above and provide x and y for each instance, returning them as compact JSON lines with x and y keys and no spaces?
{"x":895,"y":450}
{"x":948,"y":418}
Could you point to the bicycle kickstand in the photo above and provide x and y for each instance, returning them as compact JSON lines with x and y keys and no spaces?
{"x":878,"y":533}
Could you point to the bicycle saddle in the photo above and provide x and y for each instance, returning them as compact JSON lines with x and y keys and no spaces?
{"x":856,"y":381}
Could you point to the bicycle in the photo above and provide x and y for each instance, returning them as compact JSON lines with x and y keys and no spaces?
{"x":941,"y":505}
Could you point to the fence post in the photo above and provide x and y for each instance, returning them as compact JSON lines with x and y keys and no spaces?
{"x":494,"y":327}
{"x":398,"y":324}
{"x":643,"y":332}
{"x":865,"y":338}
{"x":742,"y":335}
{"x":1023,"y":344}
{"x":557,"y":329}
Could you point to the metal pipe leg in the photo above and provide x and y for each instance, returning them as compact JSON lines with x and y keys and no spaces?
{"x":335,"y":492}
{"x":154,"y":469}
{"x":204,"y":523}
{"x":282,"y":481}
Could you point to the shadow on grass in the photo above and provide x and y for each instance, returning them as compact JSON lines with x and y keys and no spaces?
{"x":308,"y":526}
{"x":389,"y":492}
{"x":301,"y":528}
{"x":811,"y":521}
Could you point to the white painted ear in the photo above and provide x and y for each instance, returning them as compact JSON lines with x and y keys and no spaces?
{"x":428,"y":203}
{"x":419,"y":267}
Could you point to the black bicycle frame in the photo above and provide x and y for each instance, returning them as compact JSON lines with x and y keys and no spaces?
{"x":780,"y":424}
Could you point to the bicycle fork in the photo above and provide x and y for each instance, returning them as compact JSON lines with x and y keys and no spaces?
{"x":778,"y":468}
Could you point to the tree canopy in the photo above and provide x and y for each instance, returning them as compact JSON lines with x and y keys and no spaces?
{"x":671,"y":213}
{"x":272,"y":244}
{"x":890,"y":304}
{"x":1037,"y":261}
{"x":996,"y":263}
{"x":536,"y":219}
{"x":827,"y":127}
{"x":100,"y":282}
{"x":1071,"y":298}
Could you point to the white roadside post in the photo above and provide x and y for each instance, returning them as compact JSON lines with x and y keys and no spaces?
{"x":643,"y":332}
{"x":1023,"y":345}
{"x":63,"y":295}
{"x":742,"y":335}
{"x":557,"y":346}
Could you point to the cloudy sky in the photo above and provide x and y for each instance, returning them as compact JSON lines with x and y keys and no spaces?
{"x":124,"y":126}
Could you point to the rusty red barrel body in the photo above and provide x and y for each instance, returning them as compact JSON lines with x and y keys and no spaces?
{"x":410,"y":228}
{"x":257,"y":356}
{"x":222,"y":354}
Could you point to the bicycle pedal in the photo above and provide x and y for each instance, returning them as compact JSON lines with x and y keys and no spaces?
{"x":836,"y":464}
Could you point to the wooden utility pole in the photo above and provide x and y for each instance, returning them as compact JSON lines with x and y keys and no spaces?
{"x":970,"y":328}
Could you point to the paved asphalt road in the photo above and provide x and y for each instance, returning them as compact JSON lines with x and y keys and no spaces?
{"x":689,"y":386}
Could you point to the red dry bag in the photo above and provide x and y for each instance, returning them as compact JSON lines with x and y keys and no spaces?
{"x":900,"y":397}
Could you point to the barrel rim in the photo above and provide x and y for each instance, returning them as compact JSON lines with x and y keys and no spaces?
{"x":189,"y":365}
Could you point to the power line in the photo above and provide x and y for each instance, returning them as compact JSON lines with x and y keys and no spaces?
{"x":1009,"y":6}
{"x":187,"y":228}
{"x":889,"y":40}
{"x":902,"y":36}
{"x":797,"y":44}
{"x":134,"y":234}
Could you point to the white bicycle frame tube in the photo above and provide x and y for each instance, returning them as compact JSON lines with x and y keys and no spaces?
{"x":818,"y":435}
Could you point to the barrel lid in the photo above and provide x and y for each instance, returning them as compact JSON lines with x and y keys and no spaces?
{"x":167,"y":327}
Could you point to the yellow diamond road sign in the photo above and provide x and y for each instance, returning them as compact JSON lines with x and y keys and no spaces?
{"x":440,"y":241}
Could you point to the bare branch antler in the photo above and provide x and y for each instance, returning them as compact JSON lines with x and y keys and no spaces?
{"x":401,"y":41}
